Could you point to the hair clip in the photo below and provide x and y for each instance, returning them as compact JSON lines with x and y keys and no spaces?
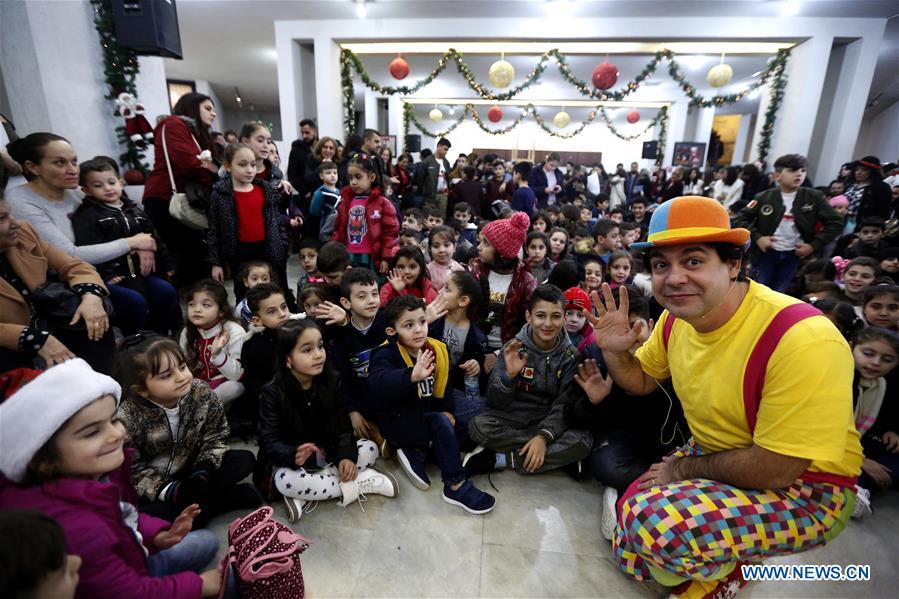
{"x":138,"y":338}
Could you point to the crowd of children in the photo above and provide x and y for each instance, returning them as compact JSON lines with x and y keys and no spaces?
{"x":457,"y":335}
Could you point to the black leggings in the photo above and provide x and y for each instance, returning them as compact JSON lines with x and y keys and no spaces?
{"x":225,"y":494}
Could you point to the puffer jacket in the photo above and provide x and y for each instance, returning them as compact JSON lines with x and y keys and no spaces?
{"x":381,"y":219}
{"x":159,"y":456}
{"x":520,"y":290}
{"x":540,"y":392}
{"x":114,"y":565}
{"x":221,"y":236}
{"x":290,"y":416}
{"x":95,"y":222}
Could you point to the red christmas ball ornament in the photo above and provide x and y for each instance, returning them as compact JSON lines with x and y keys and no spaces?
{"x":495,"y":114}
{"x":633,"y":116}
{"x":133,"y":177}
{"x":605,"y":75}
{"x":399,"y":68}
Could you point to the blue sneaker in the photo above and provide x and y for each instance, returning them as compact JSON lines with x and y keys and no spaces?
{"x":413,"y":463}
{"x":469,"y":498}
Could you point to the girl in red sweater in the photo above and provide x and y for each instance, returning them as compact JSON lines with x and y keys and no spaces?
{"x":408,"y":276}
{"x":245,"y":222}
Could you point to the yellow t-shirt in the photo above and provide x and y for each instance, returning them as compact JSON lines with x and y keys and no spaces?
{"x":806,"y":405}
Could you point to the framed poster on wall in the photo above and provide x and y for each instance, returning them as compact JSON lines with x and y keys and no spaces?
{"x":689,"y":153}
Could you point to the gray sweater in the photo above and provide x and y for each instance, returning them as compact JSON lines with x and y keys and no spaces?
{"x":52,"y":220}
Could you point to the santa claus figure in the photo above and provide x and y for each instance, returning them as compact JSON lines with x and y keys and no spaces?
{"x":136,"y":124}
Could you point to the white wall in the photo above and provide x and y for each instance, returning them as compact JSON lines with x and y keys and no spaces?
{"x":879,"y":136}
{"x":221,"y":114}
{"x":236,"y":118}
{"x":53,"y":74}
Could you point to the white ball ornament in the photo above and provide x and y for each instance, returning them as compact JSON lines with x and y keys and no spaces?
{"x":561,"y":119}
{"x":501,"y":73}
{"x":720,"y":75}
{"x":435,"y":115}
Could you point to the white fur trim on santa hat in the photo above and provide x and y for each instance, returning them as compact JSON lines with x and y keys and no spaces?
{"x":36,"y":411}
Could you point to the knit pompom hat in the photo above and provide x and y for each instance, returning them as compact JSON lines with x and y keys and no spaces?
{"x":31,"y":416}
{"x":507,"y":236}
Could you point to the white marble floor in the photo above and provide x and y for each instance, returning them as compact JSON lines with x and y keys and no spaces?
{"x":541,"y":540}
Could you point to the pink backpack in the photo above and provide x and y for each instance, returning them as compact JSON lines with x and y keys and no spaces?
{"x":265,"y":555}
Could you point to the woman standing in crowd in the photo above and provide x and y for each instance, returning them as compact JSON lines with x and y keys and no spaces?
{"x":183,"y":136}
{"x":729,"y":187}
{"x":326,"y":150}
{"x":869,"y":195}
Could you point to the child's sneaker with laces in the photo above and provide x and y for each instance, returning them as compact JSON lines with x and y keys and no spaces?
{"x":294,"y":508}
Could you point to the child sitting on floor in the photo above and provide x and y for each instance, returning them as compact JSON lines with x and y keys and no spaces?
{"x":306,"y":433}
{"x":256,"y":272}
{"x":523,"y":427}
{"x":212,"y":340}
{"x":408,"y":276}
{"x":35,"y":557}
{"x":61,"y":449}
{"x":409,"y":376}
{"x":178,"y":427}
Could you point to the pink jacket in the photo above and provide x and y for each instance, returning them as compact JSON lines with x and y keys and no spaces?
{"x":114,"y":565}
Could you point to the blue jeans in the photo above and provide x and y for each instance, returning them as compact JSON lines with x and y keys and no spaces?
{"x":445,"y":448}
{"x":158,"y":310}
{"x":193,"y":553}
{"x":776,"y":269}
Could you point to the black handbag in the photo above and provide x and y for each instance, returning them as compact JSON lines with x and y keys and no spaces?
{"x":56,"y":305}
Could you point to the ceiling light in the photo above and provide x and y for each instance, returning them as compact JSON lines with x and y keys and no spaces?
{"x":452,"y":110}
{"x":789,"y":8}
{"x":237,"y":96}
{"x":361,"y":9}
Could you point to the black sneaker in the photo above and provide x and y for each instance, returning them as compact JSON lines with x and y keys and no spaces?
{"x":480,"y":461}
{"x":413,"y":464}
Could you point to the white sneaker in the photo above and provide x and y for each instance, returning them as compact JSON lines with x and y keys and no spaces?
{"x":379,"y":483}
{"x":862,"y":502}
{"x":609,"y":517}
{"x":294,"y":508}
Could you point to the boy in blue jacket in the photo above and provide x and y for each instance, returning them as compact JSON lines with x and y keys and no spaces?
{"x":409,"y":379}
{"x":524,"y":426}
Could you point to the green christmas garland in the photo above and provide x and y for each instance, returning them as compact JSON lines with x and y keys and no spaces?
{"x":410,"y":118}
{"x":774,"y":72}
{"x":120,"y":67}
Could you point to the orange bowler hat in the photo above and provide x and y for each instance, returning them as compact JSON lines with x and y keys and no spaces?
{"x":691,"y":219}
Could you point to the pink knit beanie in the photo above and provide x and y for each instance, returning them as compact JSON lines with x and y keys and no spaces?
{"x":508,"y":235}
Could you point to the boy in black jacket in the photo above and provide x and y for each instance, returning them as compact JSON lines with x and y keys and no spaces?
{"x":142,"y":297}
{"x":409,"y":376}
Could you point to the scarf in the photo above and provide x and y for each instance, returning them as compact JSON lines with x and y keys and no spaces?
{"x":441,"y":360}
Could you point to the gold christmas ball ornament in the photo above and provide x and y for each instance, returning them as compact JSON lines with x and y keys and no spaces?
{"x":720,"y":75}
{"x":501,"y":73}
{"x":562,"y":119}
{"x":435,"y":115}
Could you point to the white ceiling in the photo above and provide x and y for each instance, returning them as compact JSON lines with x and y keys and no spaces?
{"x":231,"y":42}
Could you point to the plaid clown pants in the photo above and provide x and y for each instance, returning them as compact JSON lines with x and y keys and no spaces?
{"x":696,"y":529}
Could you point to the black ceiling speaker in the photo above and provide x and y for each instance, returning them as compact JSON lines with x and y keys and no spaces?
{"x":149,"y":27}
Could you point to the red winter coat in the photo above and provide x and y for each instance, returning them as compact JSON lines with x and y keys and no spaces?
{"x":383,"y":225}
{"x":183,"y":153}
{"x":520,"y":290}
{"x":113,"y":562}
{"x":425,"y":291}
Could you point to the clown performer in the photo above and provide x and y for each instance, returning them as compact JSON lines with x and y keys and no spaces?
{"x":772,"y":465}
